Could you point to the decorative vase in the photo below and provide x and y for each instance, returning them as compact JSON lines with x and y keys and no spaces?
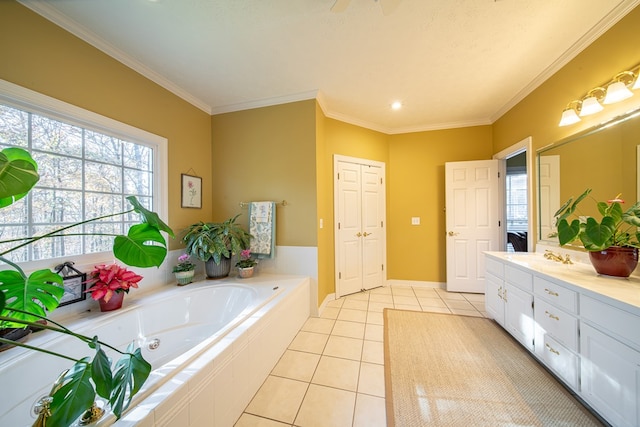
{"x":217,"y":271}
{"x":114,"y":303}
{"x":184,"y":277}
{"x":615,"y":261}
{"x":245,"y":272}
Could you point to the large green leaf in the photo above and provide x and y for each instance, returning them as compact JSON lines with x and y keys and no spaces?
{"x":567,"y":233}
{"x":74,"y":397}
{"x":143,"y":246}
{"x":18,"y":174}
{"x":597,"y":236}
{"x":101,"y":373}
{"x":149,"y":217}
{"x":632,"y":216}
{"x":42,"y":290}
{"x":131,"y":372}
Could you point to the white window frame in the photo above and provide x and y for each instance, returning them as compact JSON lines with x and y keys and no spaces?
{"x":29,"y":100}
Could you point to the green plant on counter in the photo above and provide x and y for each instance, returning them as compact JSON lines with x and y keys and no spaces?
{"x":26,"y":299}
{"x":615,"y":227}
{"x":216,"y":239}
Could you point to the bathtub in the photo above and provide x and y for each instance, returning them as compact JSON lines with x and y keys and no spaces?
{"x":211,"y":345}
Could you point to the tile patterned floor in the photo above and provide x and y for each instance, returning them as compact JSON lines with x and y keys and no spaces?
{"x":332,"y":374}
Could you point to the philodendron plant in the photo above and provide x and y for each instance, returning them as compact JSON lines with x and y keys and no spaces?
{"x":26,"y":299}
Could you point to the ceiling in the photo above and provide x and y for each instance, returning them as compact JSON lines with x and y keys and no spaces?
{"x":451,"y":63}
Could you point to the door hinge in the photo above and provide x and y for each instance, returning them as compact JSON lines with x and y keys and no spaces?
{"x":380,"y":180}
{"x":531,"y":305}
{"x":381,"y":223}
{"x":339,"y":275}
{"x":499,"y":223}
{"x":338,"y":175}
{"x":382,"y":267}
{"x":498,"y":174}
{"x":338,"y":226}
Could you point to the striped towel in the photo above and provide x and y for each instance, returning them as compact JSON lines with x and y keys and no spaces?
{"x":262,"y":226}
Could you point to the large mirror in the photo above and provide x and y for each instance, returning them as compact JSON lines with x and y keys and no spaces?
{"x":604,"y":158}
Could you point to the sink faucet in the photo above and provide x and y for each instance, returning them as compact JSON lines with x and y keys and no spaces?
{"x":557,"y":257}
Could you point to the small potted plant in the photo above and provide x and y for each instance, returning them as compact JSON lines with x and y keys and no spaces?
{"x":110,"y":283}
{"x":184,"y":270}
{"x":215,"y":243}
{"x":245,"y":264}
{"x":612,"y":241}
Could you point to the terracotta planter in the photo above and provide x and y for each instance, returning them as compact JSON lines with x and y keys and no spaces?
{"x":184,"y":277}
{"x":114,"y":303}
{"x":615,"y":261}
{"x":245,"y":272}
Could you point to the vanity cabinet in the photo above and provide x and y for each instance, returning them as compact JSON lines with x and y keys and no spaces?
{"x":584,"y":328}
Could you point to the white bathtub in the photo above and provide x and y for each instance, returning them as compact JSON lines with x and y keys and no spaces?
{"x":211,"y":345}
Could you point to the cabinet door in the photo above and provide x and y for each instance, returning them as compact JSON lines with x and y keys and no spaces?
{"x":494,"y":305}
{"x":610,"y":373}
{"x":519,"y":315}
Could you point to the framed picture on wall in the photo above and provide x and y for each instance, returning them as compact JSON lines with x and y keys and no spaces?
{"x":191,"y":191}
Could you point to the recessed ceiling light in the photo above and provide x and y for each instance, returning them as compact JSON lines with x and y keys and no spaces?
{"x":396,"y":105}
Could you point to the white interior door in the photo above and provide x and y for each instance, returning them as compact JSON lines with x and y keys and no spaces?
{"x":549,"y":176}
{"x":472,"y":221}
{"x":360,"y":215}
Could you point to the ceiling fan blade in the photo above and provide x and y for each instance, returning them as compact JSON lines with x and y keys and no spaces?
{"x":340,"y":6}
{"x":388,"y":6}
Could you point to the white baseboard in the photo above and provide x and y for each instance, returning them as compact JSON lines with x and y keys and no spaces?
{"x":330,"y":297}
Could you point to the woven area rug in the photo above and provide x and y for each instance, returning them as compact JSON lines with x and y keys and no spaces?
{"x":448,"y":370}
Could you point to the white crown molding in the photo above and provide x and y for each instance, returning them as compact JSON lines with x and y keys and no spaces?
{"x":267,"y":102}
{"x":50,"y":13}
{"x":598,"y":30}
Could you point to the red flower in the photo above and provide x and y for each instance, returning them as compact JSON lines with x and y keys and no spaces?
{"x":109,"y":279}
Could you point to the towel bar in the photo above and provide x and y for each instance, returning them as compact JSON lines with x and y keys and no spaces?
{"x":246,"y":204}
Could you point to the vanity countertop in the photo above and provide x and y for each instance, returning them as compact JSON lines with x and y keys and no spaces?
{"x":623,"y":292}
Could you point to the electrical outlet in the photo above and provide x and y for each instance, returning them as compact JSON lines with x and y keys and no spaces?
{"x":415,"y":220}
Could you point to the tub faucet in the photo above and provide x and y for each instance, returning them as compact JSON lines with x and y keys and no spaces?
{"x":557,"y":257}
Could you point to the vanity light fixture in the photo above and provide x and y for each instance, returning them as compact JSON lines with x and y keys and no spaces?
{"x":591,"y":103}
{"x":396,"y":105}
{"x":569,"y":115}
{"x":618,"y":89}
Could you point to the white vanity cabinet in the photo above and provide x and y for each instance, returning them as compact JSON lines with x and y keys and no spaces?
{"x":584,"y":328}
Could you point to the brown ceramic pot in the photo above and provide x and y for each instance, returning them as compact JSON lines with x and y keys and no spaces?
{"x":615,"y":261}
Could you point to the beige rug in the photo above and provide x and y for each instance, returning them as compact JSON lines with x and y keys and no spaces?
{"x":448,"y":370}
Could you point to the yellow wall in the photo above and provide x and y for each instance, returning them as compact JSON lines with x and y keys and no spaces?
{"x":41,"y":56}
{"x":268,"y":154}
{"x":416,"y":189}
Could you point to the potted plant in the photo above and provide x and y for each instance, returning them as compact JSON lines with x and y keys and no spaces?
{"x":245,"y":264}
{"x":26,"y":299}
{"x":612,"y":241}
{"x":110,"y":283}
{"x":184,"y":270}
{"x":215,"y":243}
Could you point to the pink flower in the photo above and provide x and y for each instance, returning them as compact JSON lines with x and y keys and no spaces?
{"x":109,"y":279}
{"x":183,"y":258}
{"x":245,"y":253}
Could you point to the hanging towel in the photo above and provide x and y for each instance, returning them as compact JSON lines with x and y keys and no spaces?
{"x":262,"y":226}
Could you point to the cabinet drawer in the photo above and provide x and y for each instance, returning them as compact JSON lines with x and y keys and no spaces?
{"x":494,"y":267}
{"x":557,"y":323}
{"x":556,"y":294}
{"x":618,"y":322}
{"x":561,"y":360}
{"x":519,"y":278}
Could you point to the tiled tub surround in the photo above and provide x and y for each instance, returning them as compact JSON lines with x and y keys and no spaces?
{"x":218,"y":342}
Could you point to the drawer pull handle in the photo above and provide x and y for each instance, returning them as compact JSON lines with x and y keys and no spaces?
{"x":550,"y":292}
{"x":552,"y":316}
{"x":552,"y":350}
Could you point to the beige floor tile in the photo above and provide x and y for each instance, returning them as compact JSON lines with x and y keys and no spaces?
{"x":402,"y":290}
{"x":425,"y":292}
{"x":431,"y":302}
{"x":479,"y":306}
{"x":459,"y":305}
{"x":371,"y":379}
{"x":436,"y":310}
{"x":278,"y":399}
{"x":381,"y":290}
{"x":326,"y":407}
{"x":336,"y":303}
{"x":405,"y":300}
{"x":248,"y":420}
{"x":474,"y":297}
{"x":373,"y":352}
{"x":330,"y":313}
{"x":353,"y":315}
{"x":474,"y":313}
{"x":375,"y":318}
{"x":356,"y":304}
{"x":450,"y":295}
{"x":319,"y":325}
{"x":408,"y":307}
{"x":380,"y":298}
{"x":374,"y":332}
{"x":379,"y":306}
{"x":346,"y":348}
{"x":370,"y":411}
{"x":296,"y":365}
{"x":338,"y":373}
{"x":309,"y":341}
{"x":348,"y":329}
{"x":360,"y":296}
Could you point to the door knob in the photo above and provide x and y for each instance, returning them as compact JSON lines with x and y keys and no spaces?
{"x":359,"y":234}
{"x":367,"y":234}
{"x":452,"y":233}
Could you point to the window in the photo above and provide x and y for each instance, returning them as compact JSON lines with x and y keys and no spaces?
{"x":88,"y":165}
{"x":517,"y":219}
